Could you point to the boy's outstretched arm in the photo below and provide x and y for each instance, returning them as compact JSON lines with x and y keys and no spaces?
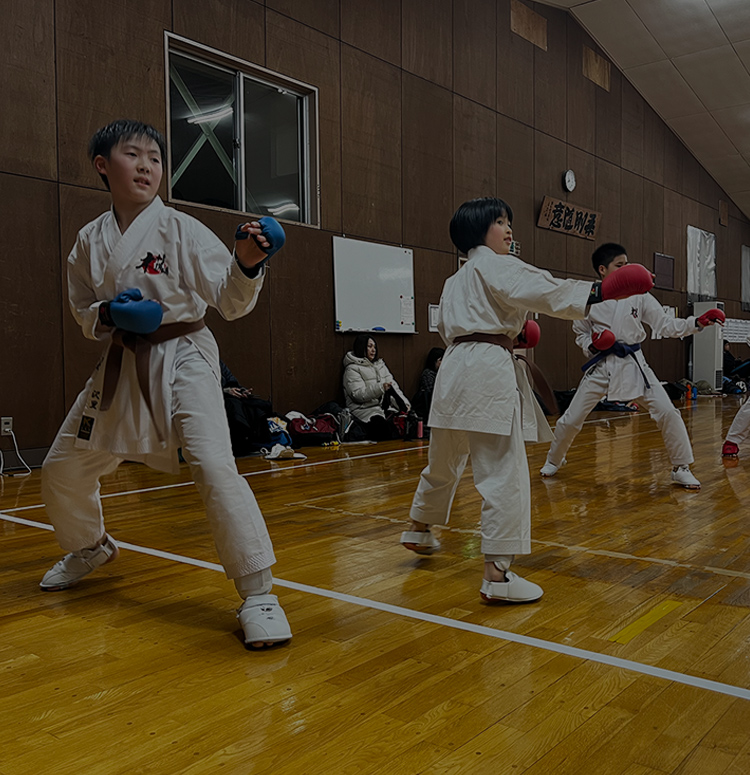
{"x":667,"y":327}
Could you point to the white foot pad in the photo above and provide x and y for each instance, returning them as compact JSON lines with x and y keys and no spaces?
{"x":514,"y":590}
{"x":263,"y":620}
{"x":425,"y":542}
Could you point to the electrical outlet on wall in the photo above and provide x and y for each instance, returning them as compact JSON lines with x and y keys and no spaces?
{"x":6,"y":426}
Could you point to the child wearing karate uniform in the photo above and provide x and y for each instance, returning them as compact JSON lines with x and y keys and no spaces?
{"x":140,"y":279}
{"x":482,"y":403}
{"x":739,"y":430}
{"x":612,"y":334}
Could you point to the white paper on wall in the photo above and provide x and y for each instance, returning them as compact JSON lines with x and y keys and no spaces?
{"x":736,"y":330}
{"x":407,"y":310}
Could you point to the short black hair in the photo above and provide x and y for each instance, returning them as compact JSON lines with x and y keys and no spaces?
{"x":471,"y":222}
{"x":359,"y":348}
{"x":435,"y":354}
{"x":605,"y":254}
{"x":106,"y":138}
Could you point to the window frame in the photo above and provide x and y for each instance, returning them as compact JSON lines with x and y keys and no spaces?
{"x":310,"y":132}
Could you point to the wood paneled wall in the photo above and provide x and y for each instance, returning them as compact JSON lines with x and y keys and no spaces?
{"x":423,"y":104}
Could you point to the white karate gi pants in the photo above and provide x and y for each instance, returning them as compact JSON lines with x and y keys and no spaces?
{"x":739,"y":430}
{"x":70,"y":476}
{"x":501,"y":476}
{"x":593,"y":388}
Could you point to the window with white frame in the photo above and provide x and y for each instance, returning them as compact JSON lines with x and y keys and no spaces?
{"x":240,"y":137}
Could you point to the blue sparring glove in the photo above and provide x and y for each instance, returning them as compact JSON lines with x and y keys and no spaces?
{"x":129,"y":312}
{"x":271,"y":229}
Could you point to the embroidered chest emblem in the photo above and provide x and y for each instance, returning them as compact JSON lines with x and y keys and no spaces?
{"x":154,"y":264}
{"x":634,"y":312}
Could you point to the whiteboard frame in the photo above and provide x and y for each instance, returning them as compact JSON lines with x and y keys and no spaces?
{"x":373,"y":287}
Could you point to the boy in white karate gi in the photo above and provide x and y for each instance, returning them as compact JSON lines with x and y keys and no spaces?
{"x":140,"y":279}
{"x":482,"y":404}
{"x":612,"y":334}
{"x":739,"y":430}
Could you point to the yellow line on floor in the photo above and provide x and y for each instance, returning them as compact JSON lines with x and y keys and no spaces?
{"x":639,"y":625}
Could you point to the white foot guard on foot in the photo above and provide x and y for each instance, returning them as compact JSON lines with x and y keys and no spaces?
{"x":514,"y":590}
{"x":425,"y":542}
{"x":550,"y":469}
{"x":263,"y":621}
{"x":74,"y":566}
{"x":683,"y":476}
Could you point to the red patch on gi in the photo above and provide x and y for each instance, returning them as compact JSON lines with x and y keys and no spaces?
{"x":154,"y":264}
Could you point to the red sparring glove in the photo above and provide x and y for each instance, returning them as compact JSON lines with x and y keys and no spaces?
{"x":529,"y":336}
{"x":712,"y":316}
{"x":603,"y":340}
{"x":628,"y":280}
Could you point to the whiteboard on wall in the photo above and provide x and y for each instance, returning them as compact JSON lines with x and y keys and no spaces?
{"x":373,"y":287}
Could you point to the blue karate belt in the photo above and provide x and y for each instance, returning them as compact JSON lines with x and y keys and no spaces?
{"x":621,"y":350}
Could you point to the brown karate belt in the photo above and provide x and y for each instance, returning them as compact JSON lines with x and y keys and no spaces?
{"x":537,"y":377}
{"x":140,"y":345}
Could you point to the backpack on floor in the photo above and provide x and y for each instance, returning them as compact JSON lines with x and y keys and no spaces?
{"x":406,"y":424}
{"x":313,"y":431}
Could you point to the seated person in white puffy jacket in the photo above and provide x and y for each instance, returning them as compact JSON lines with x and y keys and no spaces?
{"x":370,"y":390}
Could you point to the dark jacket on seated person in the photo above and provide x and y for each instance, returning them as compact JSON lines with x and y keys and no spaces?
{"x":423,"y":397}
{"x":247,"y":415}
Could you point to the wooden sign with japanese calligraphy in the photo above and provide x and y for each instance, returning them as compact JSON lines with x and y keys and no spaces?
{"x":569,"y":218}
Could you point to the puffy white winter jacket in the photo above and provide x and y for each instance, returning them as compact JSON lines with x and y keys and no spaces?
{"x":363,"y":386}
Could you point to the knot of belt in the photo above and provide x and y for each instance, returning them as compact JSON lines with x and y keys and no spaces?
{"x":621,"y":350}
{"x":140,"y":346}
{"x":537,"y":377}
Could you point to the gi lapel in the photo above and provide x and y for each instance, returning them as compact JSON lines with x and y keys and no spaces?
{"x":125,"y":249}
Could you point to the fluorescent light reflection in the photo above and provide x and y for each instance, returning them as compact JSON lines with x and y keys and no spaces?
{"x":216,"y":115}
{"x":284,"y":207}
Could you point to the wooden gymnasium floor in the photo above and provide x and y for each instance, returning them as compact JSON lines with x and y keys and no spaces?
{"x":635,"y":662}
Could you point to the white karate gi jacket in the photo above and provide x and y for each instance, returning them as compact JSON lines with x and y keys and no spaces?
{"x":625,"y":318}
{"x":477,"y":383}
{"x":177,"y":261}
